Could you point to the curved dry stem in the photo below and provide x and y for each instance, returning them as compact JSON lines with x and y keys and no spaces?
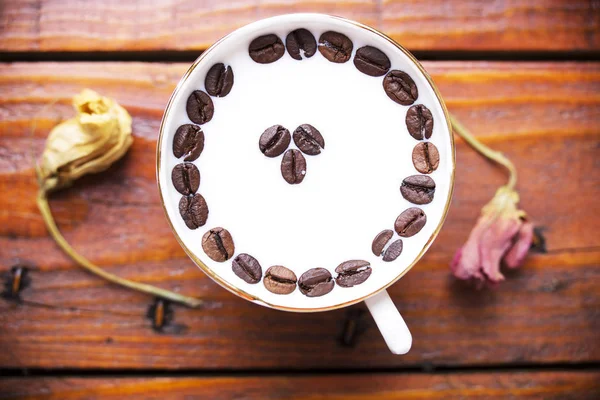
{"x":42,"y":202}
{"x":493,"y":155}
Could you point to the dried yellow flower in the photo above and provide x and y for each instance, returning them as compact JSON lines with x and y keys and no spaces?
{"x":90,"y":142}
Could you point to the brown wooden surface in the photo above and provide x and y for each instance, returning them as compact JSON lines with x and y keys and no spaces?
{"x":522,"y":385}
{"x":114,"y":25}
{"x":544,"y":116}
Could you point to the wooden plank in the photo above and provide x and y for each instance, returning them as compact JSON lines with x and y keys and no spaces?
{"x":544,"y":116}
{"x":488,"y":385}
{"x":473,"y":25}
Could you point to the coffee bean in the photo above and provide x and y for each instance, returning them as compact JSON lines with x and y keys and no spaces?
{"x":218,"y":244}
{"x":274,"y":141}
{"x":293,"y":167}
{"x":316,"y":282}
{"x":380,"y":241}
{"x":400,"y":87}
{"x":186,"y":178}
{"x":193,"y":210}
{"x":199,"y":107}
{"x":301,"y":42}
{"x":418,"y":189}
{"x":425,"y":157}
{"x":266,"y":49}
{"x":188,"y":141}
{"x":419,"y":122}
{"x":353,"y":272}
{"x":219,"y":80}
{"x":280,"y":280}
{"x":371,"y":61}
{"x":335,"y":46}
{"x":247,"y":268}
{"x":410,"y":222}
{"x":393,"y":251}
{"x":308,"y":139}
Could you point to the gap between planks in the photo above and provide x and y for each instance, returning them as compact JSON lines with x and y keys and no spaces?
{"x":191,"y":55}
{"x":426,"y":368}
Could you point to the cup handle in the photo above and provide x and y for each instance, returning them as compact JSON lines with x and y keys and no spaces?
{"x":390,"y":322}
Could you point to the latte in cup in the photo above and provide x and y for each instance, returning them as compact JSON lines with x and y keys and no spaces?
{"x":305,"y":162}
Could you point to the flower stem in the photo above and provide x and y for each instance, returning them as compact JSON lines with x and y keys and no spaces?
{"x":486,"y":151}
{"x":42,"y":202}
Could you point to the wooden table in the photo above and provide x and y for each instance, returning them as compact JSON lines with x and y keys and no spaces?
{"x":523,"y":75}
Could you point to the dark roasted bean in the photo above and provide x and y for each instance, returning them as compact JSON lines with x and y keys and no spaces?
{"x":400,"y":87}
{"x":266,"y":49}
{"x":193,"y":210}
{"x":186,"y":178}
{"x":293,"y":167}
{"x":219,"y":80}
{"x":274,"y":141}
{"x":335,"y":47}
{"x":316,"y":282}
{"x":419,"y":122}
{"x":410,"y":222}
{"x":425,"y":157}
{"x":393,"y":251}
{"x":371,"y":61}
{"x":280,"y":280}
{"x":217,"y":243}
{"x":352,"y":273}
{"x":199,"y":107}
{"x":247,"y":268}
{"x":380,"y":241}
{"x":308,"y":139}
{"x":188,"y":141}
{"x":301,"y":43}
{"x":418,"y":189}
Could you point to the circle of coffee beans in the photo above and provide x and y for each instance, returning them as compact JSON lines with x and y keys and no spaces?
{"x":188,"y":142}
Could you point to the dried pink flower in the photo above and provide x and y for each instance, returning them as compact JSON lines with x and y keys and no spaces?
{"x":516,"y":254}
{"x":493,"y":238}
{"x":501,"y":234}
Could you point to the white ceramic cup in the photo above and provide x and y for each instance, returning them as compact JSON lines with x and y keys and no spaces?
{"x":365,"y":133}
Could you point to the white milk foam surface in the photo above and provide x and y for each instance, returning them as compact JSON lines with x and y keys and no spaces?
{"x":351,"y":190}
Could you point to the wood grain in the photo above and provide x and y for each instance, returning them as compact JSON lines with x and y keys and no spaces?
{"x":449,"y":25}
{"x":521,"y":385}
{"x":544,"y":116}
